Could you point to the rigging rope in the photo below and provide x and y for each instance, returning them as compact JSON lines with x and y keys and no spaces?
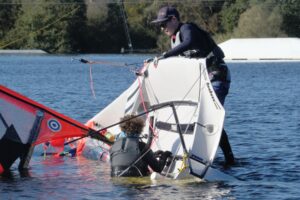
{"x":145,"y":108}
{"x":90,"y":63}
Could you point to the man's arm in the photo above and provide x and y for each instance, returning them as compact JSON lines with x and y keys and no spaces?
{"x":187,"y":35}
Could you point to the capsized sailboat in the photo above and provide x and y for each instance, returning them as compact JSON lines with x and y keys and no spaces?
{"x":182,"y":115}
{"x":25,"y":123}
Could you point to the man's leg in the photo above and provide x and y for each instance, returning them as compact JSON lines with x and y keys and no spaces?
{"x":221,"y":89}
{"x":226,"y":148}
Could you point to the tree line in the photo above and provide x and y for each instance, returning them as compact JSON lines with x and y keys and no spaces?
{"x":97,"y":26}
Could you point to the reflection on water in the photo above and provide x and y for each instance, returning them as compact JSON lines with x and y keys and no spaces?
{"x":164,"y":189}
{"x":79,"y":177}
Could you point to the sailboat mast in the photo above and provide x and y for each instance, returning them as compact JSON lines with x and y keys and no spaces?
{"x":126,"y":25}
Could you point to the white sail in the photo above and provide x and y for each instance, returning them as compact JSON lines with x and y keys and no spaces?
{"x":187,"y":118}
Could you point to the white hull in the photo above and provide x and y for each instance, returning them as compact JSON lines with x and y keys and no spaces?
{"x":184,"y":84}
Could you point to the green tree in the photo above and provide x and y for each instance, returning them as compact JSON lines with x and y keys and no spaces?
{"x":52,"y":26}
{"x":290,"y":10}
{"x":143,"y":35}
{"x":231,"y":12}
{"x":95,"y":32}
{"x":9,"y":12}
{"x":115,"y":37}
{"x":105,"y":32}
{"x":261,"y":20}
{"x":61,"y":26}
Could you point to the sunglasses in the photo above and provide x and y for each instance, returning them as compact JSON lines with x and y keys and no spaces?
{"x":163,"y":25}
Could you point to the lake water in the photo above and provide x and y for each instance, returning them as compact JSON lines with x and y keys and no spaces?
{"x":262,"y":121}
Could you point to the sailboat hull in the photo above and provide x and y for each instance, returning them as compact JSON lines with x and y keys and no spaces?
{"x":189,"y":119}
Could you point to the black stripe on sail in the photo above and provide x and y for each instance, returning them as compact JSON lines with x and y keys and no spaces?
{"x":132,"y":94}
{"x":26,"y":155}
{"x":12,"y":135}
{"x":11,"y":147}
{"x":3,"y":120}
{"x":198,"y":163}
{"x":129,"y":108}
{"x":187,"y":128}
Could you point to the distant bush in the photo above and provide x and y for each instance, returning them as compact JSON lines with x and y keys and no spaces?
{"x":260,"y":21}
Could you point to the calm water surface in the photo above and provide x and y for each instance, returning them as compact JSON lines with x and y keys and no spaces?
{"x":262,"y":121}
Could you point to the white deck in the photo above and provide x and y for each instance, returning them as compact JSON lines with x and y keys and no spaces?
{"x":262,"y":49}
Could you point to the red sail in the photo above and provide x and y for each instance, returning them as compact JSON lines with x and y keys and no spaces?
{"x":23,"y":113}
{"x":25,"y":123}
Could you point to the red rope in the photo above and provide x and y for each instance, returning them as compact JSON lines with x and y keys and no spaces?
{"x":145,"y":110}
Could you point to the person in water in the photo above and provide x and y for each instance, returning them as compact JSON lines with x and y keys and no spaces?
{"x":187,"y":39}
{"x":130,"y":156}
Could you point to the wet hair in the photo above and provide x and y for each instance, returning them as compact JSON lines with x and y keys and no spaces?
{"x":132,"y":126}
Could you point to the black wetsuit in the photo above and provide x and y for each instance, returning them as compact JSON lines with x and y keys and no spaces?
{"x":126,"y":151}
{"x":192,"y":38}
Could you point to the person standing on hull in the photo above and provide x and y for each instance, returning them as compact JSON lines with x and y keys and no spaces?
{"x":130,"y":156}
{"x":189,"y":40}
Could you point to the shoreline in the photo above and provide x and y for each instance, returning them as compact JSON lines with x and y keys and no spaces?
{"x":22,"y":51}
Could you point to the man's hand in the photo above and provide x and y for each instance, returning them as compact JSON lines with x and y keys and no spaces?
{"x":167,"y":154}
{"x":155,"y":62}
{"x":158,"y":153}
{"x":148,"y":60}
{"x":156,"y":59}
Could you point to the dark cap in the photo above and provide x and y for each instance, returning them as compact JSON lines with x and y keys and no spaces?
{"x":165,"y":13}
